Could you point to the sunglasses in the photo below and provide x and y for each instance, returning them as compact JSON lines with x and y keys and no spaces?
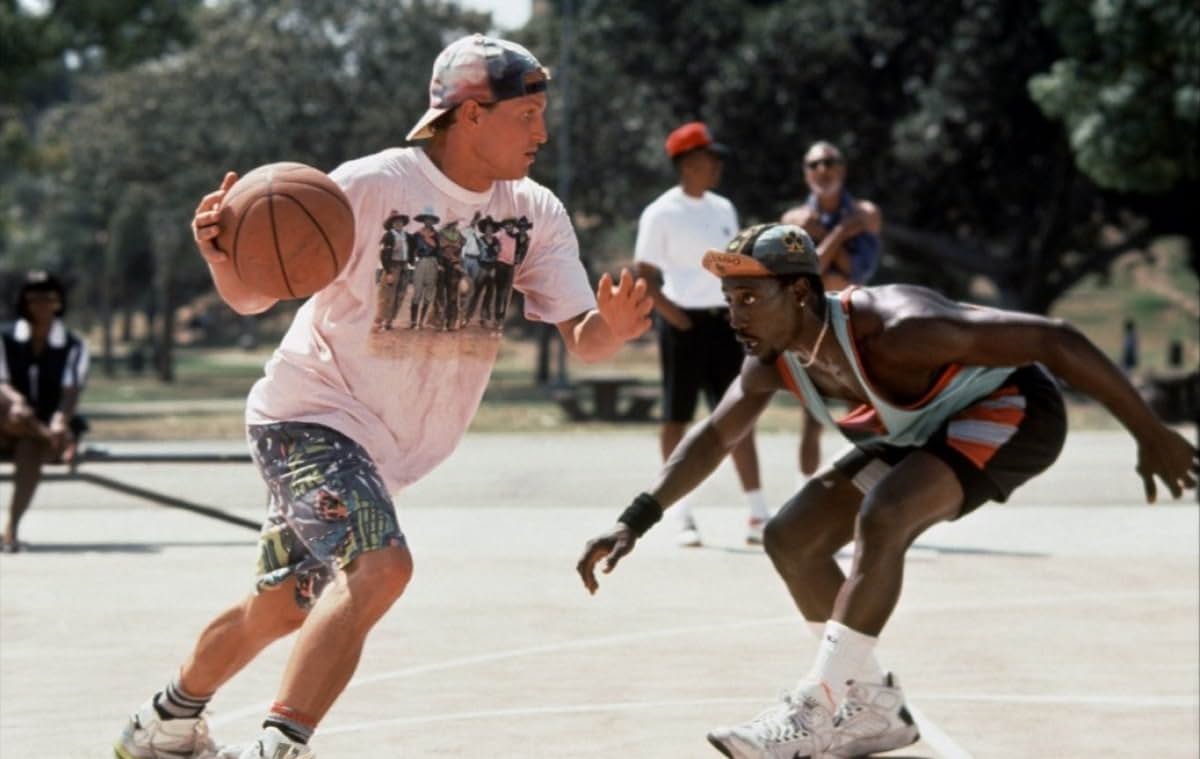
{"x":828,"y":163}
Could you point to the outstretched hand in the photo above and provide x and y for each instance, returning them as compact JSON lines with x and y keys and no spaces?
{"x":613,"y":544}
{"x":1170,"y":458}
{"x":206,"y":222}
{"x":625,"y":307}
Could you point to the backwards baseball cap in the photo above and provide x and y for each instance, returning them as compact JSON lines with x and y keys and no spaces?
{"x":482,"y":69}
{"x":692,"y":136}
{"x":765,"y":250}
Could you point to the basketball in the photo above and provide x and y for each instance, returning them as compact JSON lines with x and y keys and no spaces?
{"x":288,"y":228}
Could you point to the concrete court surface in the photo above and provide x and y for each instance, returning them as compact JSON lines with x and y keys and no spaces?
{"x":1063,"y":624}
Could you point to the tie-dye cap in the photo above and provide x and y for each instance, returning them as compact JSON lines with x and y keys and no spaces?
{"x":483,"y":69}
{"x":765,"y":250}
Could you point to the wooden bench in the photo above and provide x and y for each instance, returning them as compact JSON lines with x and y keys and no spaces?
{"x":91,"y":455}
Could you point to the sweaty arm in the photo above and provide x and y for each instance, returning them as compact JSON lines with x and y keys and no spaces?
{"x":941,"y":331}
{"x":205,"y":229}
{"x":696,"y":456}
{"x":621,"y":314}
{"x":708,"y":442}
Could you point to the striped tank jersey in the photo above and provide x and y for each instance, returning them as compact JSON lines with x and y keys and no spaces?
{"x":976,"y":432}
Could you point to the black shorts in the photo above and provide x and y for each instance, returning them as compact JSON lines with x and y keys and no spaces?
{"x":706,"y":357}
{"x":994,"y":445}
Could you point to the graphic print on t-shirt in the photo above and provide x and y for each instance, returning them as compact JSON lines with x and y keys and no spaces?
{"x":438,"y":275}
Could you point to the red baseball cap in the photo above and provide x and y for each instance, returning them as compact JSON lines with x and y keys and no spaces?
{"x":693,"y":135}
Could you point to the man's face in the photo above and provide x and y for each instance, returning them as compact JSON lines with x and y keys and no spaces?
{"x":705,"y":166}
{"x":42,"y":305}
{"x":824,"y":170}
{"x":763,"y":313}
{"x":512,"y":132}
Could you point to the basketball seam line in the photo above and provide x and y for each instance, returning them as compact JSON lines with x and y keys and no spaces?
{"x":328,"y":243}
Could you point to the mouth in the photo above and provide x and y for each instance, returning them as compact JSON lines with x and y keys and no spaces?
{"x":749,"y":342}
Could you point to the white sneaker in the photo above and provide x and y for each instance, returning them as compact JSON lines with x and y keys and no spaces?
{"x":801,"y":727}
{"x":754,"y":531}
{"x":148,"y":736}
{"x":688,"y":536}
{"x":872,"y":719}
{"x":271,"y":744}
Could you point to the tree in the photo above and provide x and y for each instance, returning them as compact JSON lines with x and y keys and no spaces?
{"x":1128,"y":93}
{"x":311,"y":81}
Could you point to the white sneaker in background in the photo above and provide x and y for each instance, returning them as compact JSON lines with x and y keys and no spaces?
{"x":688,"y":536}
{"x":754,"y":531}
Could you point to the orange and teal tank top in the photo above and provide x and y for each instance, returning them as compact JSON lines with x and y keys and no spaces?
{"x":880,"y":421}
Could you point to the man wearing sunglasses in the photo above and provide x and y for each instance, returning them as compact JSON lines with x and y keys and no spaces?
{"x":846,"y":230}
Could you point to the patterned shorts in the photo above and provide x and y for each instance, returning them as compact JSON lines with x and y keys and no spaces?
{"x":993,"y":446}
{"x":327,"y":505}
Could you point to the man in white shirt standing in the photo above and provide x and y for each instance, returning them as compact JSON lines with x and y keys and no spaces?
{"x":697,"y":347}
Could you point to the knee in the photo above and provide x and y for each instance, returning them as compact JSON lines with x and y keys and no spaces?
{"x":885,"y":526}
{"x":788,"y":542}
{"x":382,"y":575}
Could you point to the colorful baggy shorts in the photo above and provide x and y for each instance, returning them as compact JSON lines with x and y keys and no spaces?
{"x":327,"y":504}
{"x":993,"y":446}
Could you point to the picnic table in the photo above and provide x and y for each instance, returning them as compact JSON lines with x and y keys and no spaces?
{"x":608,"y":398}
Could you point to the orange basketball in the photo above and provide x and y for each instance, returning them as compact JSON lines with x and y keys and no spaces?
{"x":289,"y":229}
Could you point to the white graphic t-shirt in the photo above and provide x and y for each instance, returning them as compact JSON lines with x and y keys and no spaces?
{"x":674,"y":232}
{"x":396,"y":352}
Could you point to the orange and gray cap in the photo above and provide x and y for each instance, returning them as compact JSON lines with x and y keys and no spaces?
{"x":765,"y":250}
{"x":483,"y":69}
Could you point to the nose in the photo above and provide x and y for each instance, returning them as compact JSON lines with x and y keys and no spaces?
{"x":737,"y":319}
{"x":539,"y":130}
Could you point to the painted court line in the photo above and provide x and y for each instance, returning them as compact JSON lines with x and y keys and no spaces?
{"x":936,"y":738}
{"x":607,"y":640}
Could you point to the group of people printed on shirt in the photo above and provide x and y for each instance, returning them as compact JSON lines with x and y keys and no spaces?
{"x":452,"y":276}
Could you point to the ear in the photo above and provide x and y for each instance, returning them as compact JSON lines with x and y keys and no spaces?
{"x":801,"y":291}
{"x":470,"y":112}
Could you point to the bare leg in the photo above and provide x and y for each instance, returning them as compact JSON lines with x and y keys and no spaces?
{"x":331,"y":640}
{"x":237,"y":635}
{"x":745,"y":460}
{"x":918,"y":493}
{"x":803,"y":538}
{"x":810,"y":445}
{"x":28,"y":454}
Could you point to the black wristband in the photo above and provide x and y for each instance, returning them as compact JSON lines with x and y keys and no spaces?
{"x":641,"y":514}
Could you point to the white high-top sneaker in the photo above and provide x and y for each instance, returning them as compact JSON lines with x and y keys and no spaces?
{"x":872,"y":719}
{"x":148,"y":736}
{"x":801,"y":727}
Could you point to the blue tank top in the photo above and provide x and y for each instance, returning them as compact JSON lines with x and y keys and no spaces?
{"x":863,"y":248}
{"x":879,"y":421}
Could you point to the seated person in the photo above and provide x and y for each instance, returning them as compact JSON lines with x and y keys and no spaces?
{"x":43,"y":367}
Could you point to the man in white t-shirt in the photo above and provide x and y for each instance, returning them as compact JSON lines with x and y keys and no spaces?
{"x":331,"y":435}
{"x":697,"y":348}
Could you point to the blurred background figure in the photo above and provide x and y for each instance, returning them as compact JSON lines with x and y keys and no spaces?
{"x":697,"y":348}
{"x":846,"y":230}
{"x":1129,"y":347}
{"x":43,"y":367}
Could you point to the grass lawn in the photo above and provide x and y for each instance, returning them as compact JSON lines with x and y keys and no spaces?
{"x":1160,"y":294}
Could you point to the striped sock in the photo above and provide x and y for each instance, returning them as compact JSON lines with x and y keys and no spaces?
{"x":173,"y":702}
{"x":294,"y":724}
